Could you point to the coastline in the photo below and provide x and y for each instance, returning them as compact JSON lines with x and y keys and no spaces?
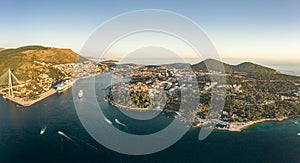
{"x":42,"y":96}
{"x":233,"y":126}
{"x":239,"y":126}
{"x":24,"y":102}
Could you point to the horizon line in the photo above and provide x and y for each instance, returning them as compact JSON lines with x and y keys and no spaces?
{"x":221,"y":57}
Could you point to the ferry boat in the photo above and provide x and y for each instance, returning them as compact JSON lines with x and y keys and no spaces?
{"x":80,"y":93}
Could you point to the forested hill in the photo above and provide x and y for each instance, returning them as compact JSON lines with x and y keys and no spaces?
{"x":250,"y":70}
{"x":22,"y":60}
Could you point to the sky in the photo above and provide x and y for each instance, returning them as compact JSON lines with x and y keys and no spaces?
{"x":268,"y":29}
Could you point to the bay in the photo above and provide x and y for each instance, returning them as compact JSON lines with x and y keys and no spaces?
{"x":20,"y":139}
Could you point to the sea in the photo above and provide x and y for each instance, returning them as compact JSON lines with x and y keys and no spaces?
{"x":21,"y":140}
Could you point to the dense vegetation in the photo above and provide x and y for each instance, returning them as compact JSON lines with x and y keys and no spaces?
{"x":250,"y":70}
{"x":140,"y":99}
{"x":264,"y":92}
{"x":271,"y":97}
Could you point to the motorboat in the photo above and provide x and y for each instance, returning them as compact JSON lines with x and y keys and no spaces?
{"x":80,"y":94}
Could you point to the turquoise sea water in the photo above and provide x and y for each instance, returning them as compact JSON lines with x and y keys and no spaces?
{"x":20,"y":140}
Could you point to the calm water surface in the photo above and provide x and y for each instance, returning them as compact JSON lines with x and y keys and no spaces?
{"x":20,"y":140}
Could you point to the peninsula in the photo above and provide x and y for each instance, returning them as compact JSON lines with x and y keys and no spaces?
{"x":254,"y":93}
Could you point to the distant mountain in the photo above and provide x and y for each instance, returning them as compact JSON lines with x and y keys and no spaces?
{"x":251,"y":70}
{"x":22,"y":61}
{"x":213,"y":65}
{"x":1,"y":49}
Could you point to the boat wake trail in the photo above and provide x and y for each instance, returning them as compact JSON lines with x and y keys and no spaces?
{"x":77,"y":139}
{"x":118,"y":122}
{"x":86,"y":143}
{"x":64,"y":135}
{"x":107,"y":120}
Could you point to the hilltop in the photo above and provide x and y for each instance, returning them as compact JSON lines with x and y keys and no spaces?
{"x":248,"y":69}
{"x":41,"y":70}
{"x":23,"y":61}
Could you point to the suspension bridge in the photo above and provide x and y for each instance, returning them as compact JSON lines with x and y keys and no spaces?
{"x":8,"y":80}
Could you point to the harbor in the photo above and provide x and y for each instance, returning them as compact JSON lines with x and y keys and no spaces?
{"x":25,"y":129}
{"x":27,"y":102}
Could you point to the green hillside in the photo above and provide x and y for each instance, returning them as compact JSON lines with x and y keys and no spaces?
{"x":250,"y":70}
{"x":211,"y":64}
{"x":22,"y":60}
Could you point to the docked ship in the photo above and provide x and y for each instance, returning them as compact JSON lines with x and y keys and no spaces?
{"x":64,"y":86}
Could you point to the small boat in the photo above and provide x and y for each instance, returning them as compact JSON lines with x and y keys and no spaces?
{"x":43,"y":130}
{"x":60,"y":133}
{"x":80,"y":93}
{"x":107,"y":120}
{"x":298,"y":134}
{"x":120,"y":123}
{"x":296,"y":122}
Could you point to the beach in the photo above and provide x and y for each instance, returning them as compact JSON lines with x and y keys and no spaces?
{"x":239,"y":126}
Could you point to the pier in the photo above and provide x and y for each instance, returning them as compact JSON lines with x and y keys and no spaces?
{"x":9,"y":79}
{"x":25,"y":102}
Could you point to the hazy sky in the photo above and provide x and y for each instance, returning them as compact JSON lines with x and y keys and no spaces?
{"x":240,"y":28}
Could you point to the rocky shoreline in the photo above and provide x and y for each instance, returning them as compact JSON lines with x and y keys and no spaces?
{"x":232,"y":126}
{"x":238,"y":126}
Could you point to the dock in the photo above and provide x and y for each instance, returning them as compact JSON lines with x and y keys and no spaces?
{"x":23,"y":102}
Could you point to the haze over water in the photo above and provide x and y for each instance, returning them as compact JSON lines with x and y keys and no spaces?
{"x":290,"y":67}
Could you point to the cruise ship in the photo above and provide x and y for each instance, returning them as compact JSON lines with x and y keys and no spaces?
{"x":64,"y":86}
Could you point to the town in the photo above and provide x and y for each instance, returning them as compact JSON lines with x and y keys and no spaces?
{"x":248,"y":100}
{"x":45,"y":83}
